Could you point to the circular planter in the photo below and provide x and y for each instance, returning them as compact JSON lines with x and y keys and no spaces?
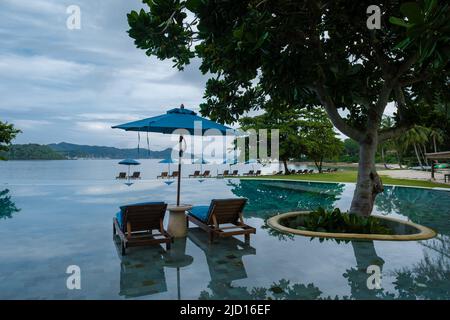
{"x":419,"y":232}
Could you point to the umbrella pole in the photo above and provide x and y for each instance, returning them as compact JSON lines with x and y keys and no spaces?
{"x":180,"y":155}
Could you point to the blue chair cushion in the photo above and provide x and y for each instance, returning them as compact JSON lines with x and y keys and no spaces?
{"x":119,"y":215}
{"x":140,"y":204}
{"x":119,"y":218}
{"x":200,"y":212}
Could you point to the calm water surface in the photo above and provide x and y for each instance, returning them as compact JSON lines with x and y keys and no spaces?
{"x":59,"y":213}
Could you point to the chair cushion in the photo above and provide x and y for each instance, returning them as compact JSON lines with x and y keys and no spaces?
{"x":119,"y":218}
{"x":140,"y":204}
{"x":119,"y":215}
{"x":200,"y":212}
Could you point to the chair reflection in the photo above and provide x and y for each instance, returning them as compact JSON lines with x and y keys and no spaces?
{"x":224,"y":259}
{"x":142,"y":269}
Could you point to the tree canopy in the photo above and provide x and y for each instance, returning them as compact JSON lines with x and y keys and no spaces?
{"x":309,"y":53}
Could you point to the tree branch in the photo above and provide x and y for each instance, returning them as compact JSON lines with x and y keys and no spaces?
{"x":334,"y":115}
{"x":406,"y":65}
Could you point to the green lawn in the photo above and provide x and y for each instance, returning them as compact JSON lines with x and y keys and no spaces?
{"x":350,"y":176}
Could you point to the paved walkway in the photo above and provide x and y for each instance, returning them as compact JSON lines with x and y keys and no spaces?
{"x":414,"y":174}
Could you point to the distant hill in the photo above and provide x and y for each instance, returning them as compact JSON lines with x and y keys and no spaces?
{"x":32,"y":152}
{"x":71,"y":151}
{"x":61,"y":151}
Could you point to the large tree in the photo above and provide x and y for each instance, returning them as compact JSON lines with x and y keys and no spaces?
{"x":319,"y":138}
{"x":288,"y":123}
{"x":7,"y":134}
{"x":308,"y":51}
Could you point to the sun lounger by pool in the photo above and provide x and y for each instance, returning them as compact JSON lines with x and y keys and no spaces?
{"x":136,"y":175}
{"x":258,"y":173}
{"x":279,"y":173}
{"x":311,"y":171}
{"x":206,"y":174}
{"x":122,"y":175}
{"x":134,"y":224}
{"x":250,"y":173}
{"x":174,"y":174}
{"x":222,"y":211}
{"x":195,"y":175}
{"x":225,"y":173}
{"x":235,"y":173}
{"x":163,"y":175}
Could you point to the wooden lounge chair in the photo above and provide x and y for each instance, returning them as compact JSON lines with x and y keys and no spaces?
{"x":221,"y":211}
{"x":206,"y":174}
{"x":174,"y":174}
{"x":258,"y":173}
{"x":134,"y":224}
{"x":235,"y":173}
{"x":136,"y":175}
{"x":225,"y":173}
{"x":250,"y":173}
{"x":195,"y":175}
{"x":163,"y":175}
{"x":122,"y":175}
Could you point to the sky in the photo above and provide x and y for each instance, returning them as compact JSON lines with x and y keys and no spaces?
{"x":58,"y":84}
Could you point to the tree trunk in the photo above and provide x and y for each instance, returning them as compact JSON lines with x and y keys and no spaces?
{"x":368,"y":184}
{"x":400,"y":159}
{"x":383,"y":157}
{"x":424,"y":156}
{"x":318,"y":165}
{"x":286,"y":169}
{"x":418,"y":156}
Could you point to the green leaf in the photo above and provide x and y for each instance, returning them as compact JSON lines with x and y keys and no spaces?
{"x":399,"y":22}
{"x":261,"y":40}
{"x":192,"y":5}
{"x":413,"y":11}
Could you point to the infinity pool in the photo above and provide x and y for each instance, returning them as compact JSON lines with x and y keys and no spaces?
{"x":48,"y":225}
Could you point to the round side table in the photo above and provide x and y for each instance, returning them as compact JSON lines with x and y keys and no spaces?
{"x":177,"y":220}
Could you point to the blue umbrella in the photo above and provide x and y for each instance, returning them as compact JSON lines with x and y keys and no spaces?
{"x":129,"y":162}
{"x":178,"y":118}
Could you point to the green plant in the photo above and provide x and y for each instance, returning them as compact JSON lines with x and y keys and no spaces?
{"x":323,"y":220}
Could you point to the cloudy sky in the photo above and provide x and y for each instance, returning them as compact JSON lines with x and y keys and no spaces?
{"x":67,"y":85}
{"x":58,"y":84}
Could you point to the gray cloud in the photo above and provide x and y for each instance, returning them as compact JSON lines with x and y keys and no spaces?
{"x":72,"y":85}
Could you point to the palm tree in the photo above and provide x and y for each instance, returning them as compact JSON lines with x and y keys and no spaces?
{"x":417,"y":136}
{"x":437,"y":136}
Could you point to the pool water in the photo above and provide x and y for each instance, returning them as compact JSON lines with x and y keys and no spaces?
{"x":47,"y":225}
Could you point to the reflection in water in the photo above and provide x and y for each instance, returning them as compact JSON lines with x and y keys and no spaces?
{"x":429,"y":278}
{"x":142,"y":272}
{"x":366,"y":256}
{"x":268,"y":197}
{"x":7,"y":206}
{"x":142,"y":269}
{"x":428,"y":207}
{"x":224,"y":259}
